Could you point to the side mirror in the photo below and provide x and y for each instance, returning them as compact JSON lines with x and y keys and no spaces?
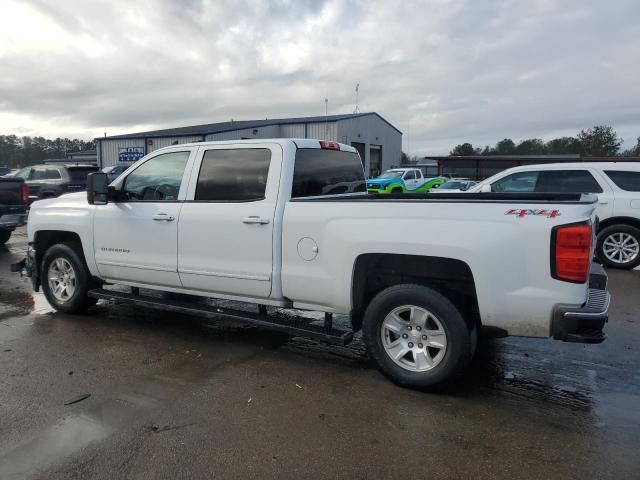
{"x":97,"y":188}
{"x":485,"y":188}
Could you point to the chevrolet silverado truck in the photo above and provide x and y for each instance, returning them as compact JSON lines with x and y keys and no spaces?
{"x":403,"y":180}
{"x":248,"y":221}
{"x":14,"y":199}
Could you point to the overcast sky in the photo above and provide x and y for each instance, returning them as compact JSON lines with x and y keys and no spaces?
{"x":442,"y":71}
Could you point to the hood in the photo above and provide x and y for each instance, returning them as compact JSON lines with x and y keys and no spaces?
{"x":75,"y":199}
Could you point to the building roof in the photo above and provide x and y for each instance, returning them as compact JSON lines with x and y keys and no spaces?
{"x":211,"y":128}
{"x":83,"y":152}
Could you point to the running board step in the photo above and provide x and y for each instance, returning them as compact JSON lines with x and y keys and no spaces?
{"x":295,"y":326}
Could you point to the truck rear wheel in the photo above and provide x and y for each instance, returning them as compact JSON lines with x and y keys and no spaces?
{"x":416,"y":336}
{"x":66,"y":279}
{"x":5,"y":235}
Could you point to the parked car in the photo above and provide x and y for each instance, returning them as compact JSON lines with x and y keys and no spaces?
{"x":14,"y":199}
{"x":114,"y":171}
{"x":617,"y":185}
{"x":453,"y":186}
{"x":403,"y":180}
{"x":49,"y":181}
{"x":247,"y":220}
{"x":4,"y":171}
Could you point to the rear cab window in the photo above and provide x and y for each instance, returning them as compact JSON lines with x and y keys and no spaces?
{"x":626,"y":180}
{"x":319,"y":172}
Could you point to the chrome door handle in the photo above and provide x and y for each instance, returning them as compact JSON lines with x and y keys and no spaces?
{"x":255,"y":220}
{"x":163,"y":217}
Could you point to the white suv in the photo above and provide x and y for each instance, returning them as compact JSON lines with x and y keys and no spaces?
{"x":617,"y":185}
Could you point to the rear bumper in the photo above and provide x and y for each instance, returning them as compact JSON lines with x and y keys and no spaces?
{"x":13,"y":220}
{"x":585,"y":323}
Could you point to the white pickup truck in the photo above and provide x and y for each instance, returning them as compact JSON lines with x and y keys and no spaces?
{"x":260,"y":222}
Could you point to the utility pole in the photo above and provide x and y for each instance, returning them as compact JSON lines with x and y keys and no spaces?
{"x":357,"y":109}
{"x":326,"y":125}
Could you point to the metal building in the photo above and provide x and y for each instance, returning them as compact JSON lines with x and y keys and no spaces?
{"x":378,"y":142}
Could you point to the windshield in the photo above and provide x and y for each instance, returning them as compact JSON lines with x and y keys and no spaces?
{"x":391,"y":174}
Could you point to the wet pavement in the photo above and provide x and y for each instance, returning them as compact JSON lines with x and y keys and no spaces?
{"x":128,"y":393}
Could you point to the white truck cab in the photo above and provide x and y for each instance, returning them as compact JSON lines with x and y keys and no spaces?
{"x":288,"y":223}
{"x":617,"y":186}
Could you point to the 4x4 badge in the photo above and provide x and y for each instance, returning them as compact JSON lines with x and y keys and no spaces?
{"x":523,"y":212}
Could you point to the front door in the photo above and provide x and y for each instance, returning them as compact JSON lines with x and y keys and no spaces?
{"x":225,"y":233}
{"x":136,"y":238}
{"x":410,"y":179}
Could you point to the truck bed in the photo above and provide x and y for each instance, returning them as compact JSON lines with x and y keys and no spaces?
{"x":534,"y":198}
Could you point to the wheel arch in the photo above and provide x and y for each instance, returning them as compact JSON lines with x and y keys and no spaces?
{"x":43,"y":239}
{"x":608,"y":222}
{"x":453,"y":278}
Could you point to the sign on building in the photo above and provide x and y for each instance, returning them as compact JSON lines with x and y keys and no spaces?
{"x":130,"y":154}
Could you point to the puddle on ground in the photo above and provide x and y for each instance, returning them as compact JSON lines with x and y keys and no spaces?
{"x":57,"y":442}
{"x":77,"y":431}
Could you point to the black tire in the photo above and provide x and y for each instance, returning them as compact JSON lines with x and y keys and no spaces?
{"x":79,"y":302}
{"x":5,"y":235}
{"x":459,"y":339}
{"x":396,"y":190}
{"x":611,"y":230}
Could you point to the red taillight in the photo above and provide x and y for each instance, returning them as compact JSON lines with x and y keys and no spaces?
{"x":571,"y":254}
{"x":329,"y":145}
{"x":25,"y":193}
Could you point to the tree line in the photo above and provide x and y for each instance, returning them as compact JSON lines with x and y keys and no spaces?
{"x":599,"y":141}
{"x":24,"y":151}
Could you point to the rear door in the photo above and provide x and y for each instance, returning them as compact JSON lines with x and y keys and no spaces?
{"x":578,"y":181}
{"x":136,"y":237}
{"x":226,"y":228}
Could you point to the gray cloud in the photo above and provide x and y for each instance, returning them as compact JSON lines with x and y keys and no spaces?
{"x":447,"y":71}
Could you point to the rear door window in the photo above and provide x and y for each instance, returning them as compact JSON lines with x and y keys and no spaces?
{"x":568,"y":181}
{"x":326,"y":172}
{"x":235,"y":175}
{"x":53,"y":174}
{"x":520,"y":182}
{"x":628,"y":181}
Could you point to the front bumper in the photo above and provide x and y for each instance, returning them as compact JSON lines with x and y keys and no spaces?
{"x":584,"y":324}
{"x":27,"y":266}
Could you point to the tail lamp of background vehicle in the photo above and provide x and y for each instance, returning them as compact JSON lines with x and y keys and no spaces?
{"x":25,"y":193}
{"x":571,"y":252}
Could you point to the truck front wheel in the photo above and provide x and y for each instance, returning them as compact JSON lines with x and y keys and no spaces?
{"x":416,"y":336}
{"x":66,"y":279}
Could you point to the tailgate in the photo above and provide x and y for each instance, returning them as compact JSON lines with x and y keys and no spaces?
{"x":11,"y":191}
